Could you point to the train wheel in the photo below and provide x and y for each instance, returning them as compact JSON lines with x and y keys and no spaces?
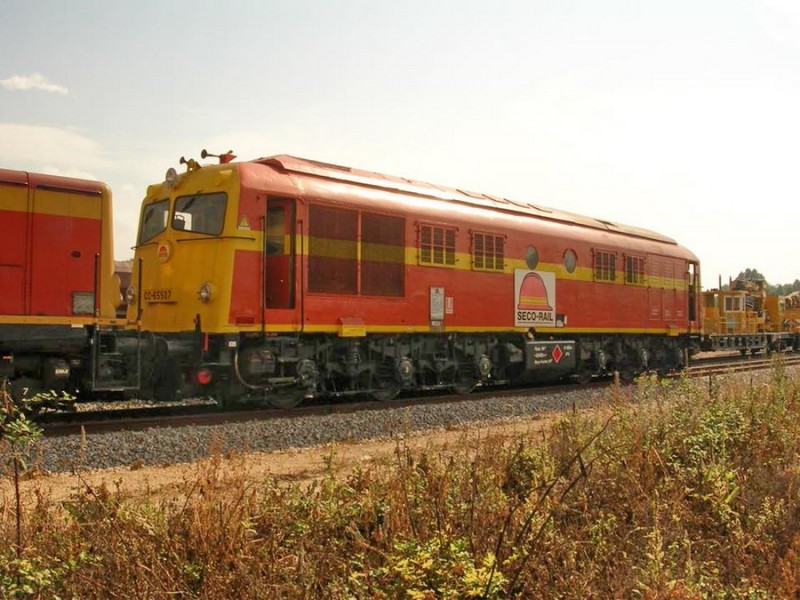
{"x":627,"y":374}
{"x":286,"y":398}
{"x":168,"y":382}
{"x":465,"y":382}
{"x":386,"y":382}
{"x":386,"y":393}
{"x":228,"y":393}
{"x":583,"y":376}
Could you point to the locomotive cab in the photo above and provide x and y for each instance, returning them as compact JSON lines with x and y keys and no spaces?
{"x":194,"y":241}
{"x":181,"y":250}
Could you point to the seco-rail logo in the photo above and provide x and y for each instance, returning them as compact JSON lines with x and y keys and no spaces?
{"x":534,"y":298}
{"x":164,"y":251}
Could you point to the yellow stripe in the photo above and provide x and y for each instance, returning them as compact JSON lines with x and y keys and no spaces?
{"x":13,"y":198}
{"x":67,"y":204}
{"x":384,"y":253}
{"x":82,"y":321}
{"x":329,"y":248}
{"x":52,"y":202}
{"x":400,"y":329}
{"x":537,"y":300}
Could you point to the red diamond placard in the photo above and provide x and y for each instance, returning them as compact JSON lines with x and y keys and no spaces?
{"x":557,"y":353}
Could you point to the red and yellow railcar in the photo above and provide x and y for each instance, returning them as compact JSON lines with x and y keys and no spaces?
{"x":58,"y":291}
{"x":286,"y":278}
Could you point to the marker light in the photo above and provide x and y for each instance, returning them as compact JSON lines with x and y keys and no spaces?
{"x":130,"y":295}
{"x":204,"y":376}
{"x":204,"y":293}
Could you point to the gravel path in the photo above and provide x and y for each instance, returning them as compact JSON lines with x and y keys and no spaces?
{"x":161,"y":446}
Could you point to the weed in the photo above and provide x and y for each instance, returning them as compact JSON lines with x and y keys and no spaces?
{"x":679,"y":490}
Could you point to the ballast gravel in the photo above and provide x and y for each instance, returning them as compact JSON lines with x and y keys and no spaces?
{"x":165,"y":445}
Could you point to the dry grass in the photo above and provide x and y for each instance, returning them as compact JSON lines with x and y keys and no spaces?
{"x":689,"y":491}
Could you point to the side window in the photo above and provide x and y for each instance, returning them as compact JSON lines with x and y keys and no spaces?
{"x":154,"y":220}
{"x":570,"y":260}
{"x":275,"y":234}
{"x":279,"y":253}
{"x":437,"y":245}
{"x":488,"y":252}
{"x":634,"y":270}
{"x":532,"y":257}
{"x":605,"y":266}
{"x":733,"y":304}
{"x":200,"y":213}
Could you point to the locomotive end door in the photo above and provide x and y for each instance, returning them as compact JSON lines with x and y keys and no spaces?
{"x":67,"y":230}
{"x":279,"y":254}
{"x":14,"y":224}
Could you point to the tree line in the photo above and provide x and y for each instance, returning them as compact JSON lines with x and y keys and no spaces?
{"x":780,"y":289}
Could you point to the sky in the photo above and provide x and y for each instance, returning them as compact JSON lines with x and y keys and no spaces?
{"x":680,"y":116}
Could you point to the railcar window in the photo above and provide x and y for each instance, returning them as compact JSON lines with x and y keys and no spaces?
{"x":634,"y":270}
{"x":734,"y":304}
{"x":605,"y":266}
{"x":276,"y":242}
{"x":200,"y":213}
{"x":488,"y":252}
{"x":437,"y":245}
{"x":531,"y":257}
{"x":570,"y":261}
{"x":154,"y":220}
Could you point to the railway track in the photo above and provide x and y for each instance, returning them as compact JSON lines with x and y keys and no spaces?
{"x":160,"y":416}
{"x":728,"y":365}
{"x":64,"y":424}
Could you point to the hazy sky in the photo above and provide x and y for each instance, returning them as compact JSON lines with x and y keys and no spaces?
{"x":682,"y":116}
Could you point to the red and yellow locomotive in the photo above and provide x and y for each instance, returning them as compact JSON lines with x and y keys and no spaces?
{"x":283,"y":278}
{"x":58,"y":290}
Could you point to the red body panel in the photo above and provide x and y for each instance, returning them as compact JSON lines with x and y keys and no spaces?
{"x":13,"y":241}
{"x":474,"y":299}
{"x":50,"y":232}
{"x":62,"y":262}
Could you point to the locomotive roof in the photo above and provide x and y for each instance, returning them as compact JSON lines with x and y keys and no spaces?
{"x":57,"y":182}
{"x":305,"y":166}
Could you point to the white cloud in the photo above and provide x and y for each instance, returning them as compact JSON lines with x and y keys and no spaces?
{"x":51,"y":149}
{"x":35,"y":81}
{"x":71,"y":153}
{"x":779,"y":19}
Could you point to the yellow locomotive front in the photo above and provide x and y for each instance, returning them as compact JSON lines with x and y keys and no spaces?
{"x":183,"y":263}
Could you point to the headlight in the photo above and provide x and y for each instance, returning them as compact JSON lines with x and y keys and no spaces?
{"x":130,"y":295}
{"x":171,"y":178}
{"x":204,"y":293}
